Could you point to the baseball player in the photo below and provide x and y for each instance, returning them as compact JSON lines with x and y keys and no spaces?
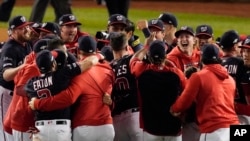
{"x":242,"y":109}
{"x":54,"y":125}
{"x":13,"y":122}
{"x":91,"y":119}
{"x":12,"y":60}
{"x":70,"y":32}
{"x":126,"y":108}
{"x":215,"y":111}
{"x":171,"y":23}
{"x":159,"y":84}
{"x":184,"y":55}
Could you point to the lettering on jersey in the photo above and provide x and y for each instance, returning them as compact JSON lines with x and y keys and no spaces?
{"x":42,"y":83}
{"x":121,"y":70}
{"x":231,"y":69}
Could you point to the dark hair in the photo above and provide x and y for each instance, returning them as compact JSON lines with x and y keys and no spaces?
{"x":55,"y":44}
{"x":118,"y":41}
{"x":211,"y":61}
{"x":130,"y":26}
{"x":156,"y":61}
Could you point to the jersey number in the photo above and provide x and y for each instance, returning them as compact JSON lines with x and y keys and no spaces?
{"x":43,"y":93}
{"x":122,"y":83}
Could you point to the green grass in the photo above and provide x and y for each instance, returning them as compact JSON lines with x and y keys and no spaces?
{"x":95,"y":19}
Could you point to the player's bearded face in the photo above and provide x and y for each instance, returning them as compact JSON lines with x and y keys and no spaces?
{"x":23,"y":34}
{"x":68,"y":32}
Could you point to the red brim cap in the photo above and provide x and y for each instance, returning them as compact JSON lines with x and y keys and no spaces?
{"x":24,"y":24}
{"x":206,"y":34}
{"x":68,"y":23}
{"x":157,"y":27}
{"x":44,"y":30}
{"x":245,"y":46}
{"x":112,"y":23}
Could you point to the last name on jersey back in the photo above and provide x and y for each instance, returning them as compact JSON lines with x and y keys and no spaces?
{"x":44,"y":87}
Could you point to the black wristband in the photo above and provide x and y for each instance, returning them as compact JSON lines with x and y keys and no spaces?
{"x":146,"y":32}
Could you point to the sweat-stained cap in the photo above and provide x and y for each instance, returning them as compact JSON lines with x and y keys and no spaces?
{"x":155,"y":23}
{"x":117,"y":19}
{"x":228,"y":39}
{"x":18,"y":22}
{"x":169,"y":18}
{"x":184,"y":29}
{"x":157,"y":49}
{"x":68,"y":19}
{"x":210,"y":52}
{"x":87,"y":44}
{"x":204,"y":30}
{"x":246,"y":43}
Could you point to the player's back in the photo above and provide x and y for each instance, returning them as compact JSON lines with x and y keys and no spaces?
{"x":43,"y":87}
{"x":158,"y":91}
{"x":235,"y":68}
{"x":124,"y":92}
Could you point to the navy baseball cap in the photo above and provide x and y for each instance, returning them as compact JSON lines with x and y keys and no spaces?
{"x":40,"y":45}
{"x":60,"y":57}
{"x":157,"y":49}
{"x":87,"y":44}
{"x":210,"y":52}
{"x":156,"y":23}
{"x":228,"y":39}
{"x":68,"y":19}
{"x":169,"y":18}
{"x":204,"y":30}
{"x":35,"y":27}
{"x":117,"y":19}
{"x":50,"y":27}
{"x":246,"y":43}
{"x":44,"y":61}
{"x":107,"y":52}
{"x":184,"y":29}
{"x":18,"y":22}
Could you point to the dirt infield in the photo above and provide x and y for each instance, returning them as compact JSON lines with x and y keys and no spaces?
{"x":233,"y":9}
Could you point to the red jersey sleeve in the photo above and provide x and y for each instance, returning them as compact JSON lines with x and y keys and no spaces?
{"x":136,"y":66}
{"x":62,"y":100}
{"x":188,"y":95}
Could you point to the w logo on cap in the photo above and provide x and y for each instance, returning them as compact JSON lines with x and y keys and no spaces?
{"x":119,"y":18}
{"x":22,"y":18}
{"x":154,"y":21}
{"x":72,"y":17}
{"x":203,"y":29}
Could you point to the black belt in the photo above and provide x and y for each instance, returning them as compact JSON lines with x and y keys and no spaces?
{"x":59,"y":122}
{"x":132,"y":110}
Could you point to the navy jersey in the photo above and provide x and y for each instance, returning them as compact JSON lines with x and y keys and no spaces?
{"x":50,"y":84}
{"x":158,"y":91}
{"x":13,"y":54}
{"x":235,"y":67}
{"x":124,"y":92}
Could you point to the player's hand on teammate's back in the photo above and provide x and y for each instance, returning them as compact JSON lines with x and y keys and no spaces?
{"x":107,"y":99}
{"x":32,"y":103}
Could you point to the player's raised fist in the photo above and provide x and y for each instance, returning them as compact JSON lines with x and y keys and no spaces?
{"x":142,"y":24}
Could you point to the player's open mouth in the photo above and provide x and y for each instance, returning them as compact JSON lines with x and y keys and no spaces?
{"x":184,"y":45}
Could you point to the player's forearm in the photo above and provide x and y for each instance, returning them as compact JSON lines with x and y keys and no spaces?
{"x":10,"y":73}
{"x":140,"y":54}
{"x":88,"y":62}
